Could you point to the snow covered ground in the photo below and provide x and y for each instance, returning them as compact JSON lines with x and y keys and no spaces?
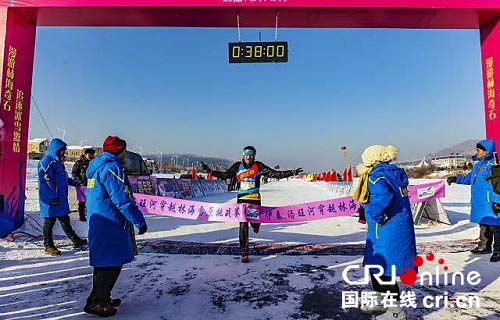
{"x":217,"y":286}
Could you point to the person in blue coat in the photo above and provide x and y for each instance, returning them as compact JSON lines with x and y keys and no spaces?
{"x":482,"y":199}
{"x":390,"y":243}
{"x":53,"y":196}
{"x":111,"y":210}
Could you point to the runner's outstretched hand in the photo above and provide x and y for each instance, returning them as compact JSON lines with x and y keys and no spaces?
{"x":205,"y":167}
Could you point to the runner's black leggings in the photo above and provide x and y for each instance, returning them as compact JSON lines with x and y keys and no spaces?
{"x":243,"y":234}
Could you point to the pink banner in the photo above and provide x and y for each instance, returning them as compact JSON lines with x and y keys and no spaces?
{"x":233,"y":212}
{"x":302,"y":212}
{"x":427,"y":191}
{"x":187,"y":209}
{"x":490,"y":58}
{"x":17,"y":51}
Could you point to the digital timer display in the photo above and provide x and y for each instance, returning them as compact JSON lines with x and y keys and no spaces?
{"x":255,"y":52}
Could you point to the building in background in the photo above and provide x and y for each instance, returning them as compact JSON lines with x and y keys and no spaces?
{"x":450,"y":162}
{"x":37,"y":148}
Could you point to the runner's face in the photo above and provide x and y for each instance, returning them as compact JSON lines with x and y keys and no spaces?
{"x":249,"y":158}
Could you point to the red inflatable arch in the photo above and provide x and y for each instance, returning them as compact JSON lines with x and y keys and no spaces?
{"x":18,"y":21}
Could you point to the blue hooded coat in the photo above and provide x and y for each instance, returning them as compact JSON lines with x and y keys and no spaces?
{"x":391,"y":236}
{"x":110,"y":210}
{"x":53,"y":182}
{"x":482,"y":194}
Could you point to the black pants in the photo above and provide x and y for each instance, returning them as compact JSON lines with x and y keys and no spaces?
{"x":488,"y":236}
{"x":392,"y":288}
{"x":244,"y":237}
{"x":48,"y":225}
{"x":81,"y":210}
{"x":103,"y":281}
{"x":244,"y":227}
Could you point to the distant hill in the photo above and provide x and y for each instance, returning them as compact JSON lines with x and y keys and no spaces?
{"x":466,"y":148}
{"x":186,"y":160}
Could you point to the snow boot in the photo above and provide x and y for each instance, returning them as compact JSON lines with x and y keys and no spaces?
{"x":256,"y":228}
{"x":376,"y":308}
{"x":245,"y":259}
{"x":480,"y":250}
{"x":80,"y":244}
{"x":101,"y":310}
{"x":392,"y":313}
{"x":52,"y":251}
{"x":495,"y":257}
{"x":114,"y":302}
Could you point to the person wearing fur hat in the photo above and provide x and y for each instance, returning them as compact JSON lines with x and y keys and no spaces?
{"x":248,"y":173}
{"x":482,"y":199}
{"x":111,"y":210}
{"x":382,"y":191}
{"x":53,"y":184}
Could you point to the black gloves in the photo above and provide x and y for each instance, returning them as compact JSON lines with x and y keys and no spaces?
{"x":143,"y":229}
{"x":297,"y":171}
{"x":496,"y":208}
{"x":451,"y":180}
{"x":55,"y":201}
{"x":205,"y":167}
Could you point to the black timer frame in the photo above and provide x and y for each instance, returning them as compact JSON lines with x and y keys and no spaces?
{"x":258,"y":52}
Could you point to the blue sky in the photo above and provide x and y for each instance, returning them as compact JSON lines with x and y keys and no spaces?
{"x":172,"y":89}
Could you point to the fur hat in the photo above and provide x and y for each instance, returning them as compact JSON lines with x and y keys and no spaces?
{"x":372,"y":155}
{"x":389,"y":154}
{"x":377,"y":153}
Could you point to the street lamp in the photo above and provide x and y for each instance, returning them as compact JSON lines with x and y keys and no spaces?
{"x":161,"y":162}
{"x":140,"y":148}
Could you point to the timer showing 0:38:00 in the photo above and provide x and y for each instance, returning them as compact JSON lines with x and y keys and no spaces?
{"x":255,"y":52}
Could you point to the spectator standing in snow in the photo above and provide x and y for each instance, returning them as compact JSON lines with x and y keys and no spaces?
{"x":111,"y":211}
{"x":382,"y":191}
{"x":482,"y":199}
{"x":53,"y":196}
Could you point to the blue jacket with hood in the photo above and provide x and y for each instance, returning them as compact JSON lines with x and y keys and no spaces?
{"x":391,"y":236}
{"x":110,"y":210}
{"x":482,"y":194}
{"x":53,"y":183}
